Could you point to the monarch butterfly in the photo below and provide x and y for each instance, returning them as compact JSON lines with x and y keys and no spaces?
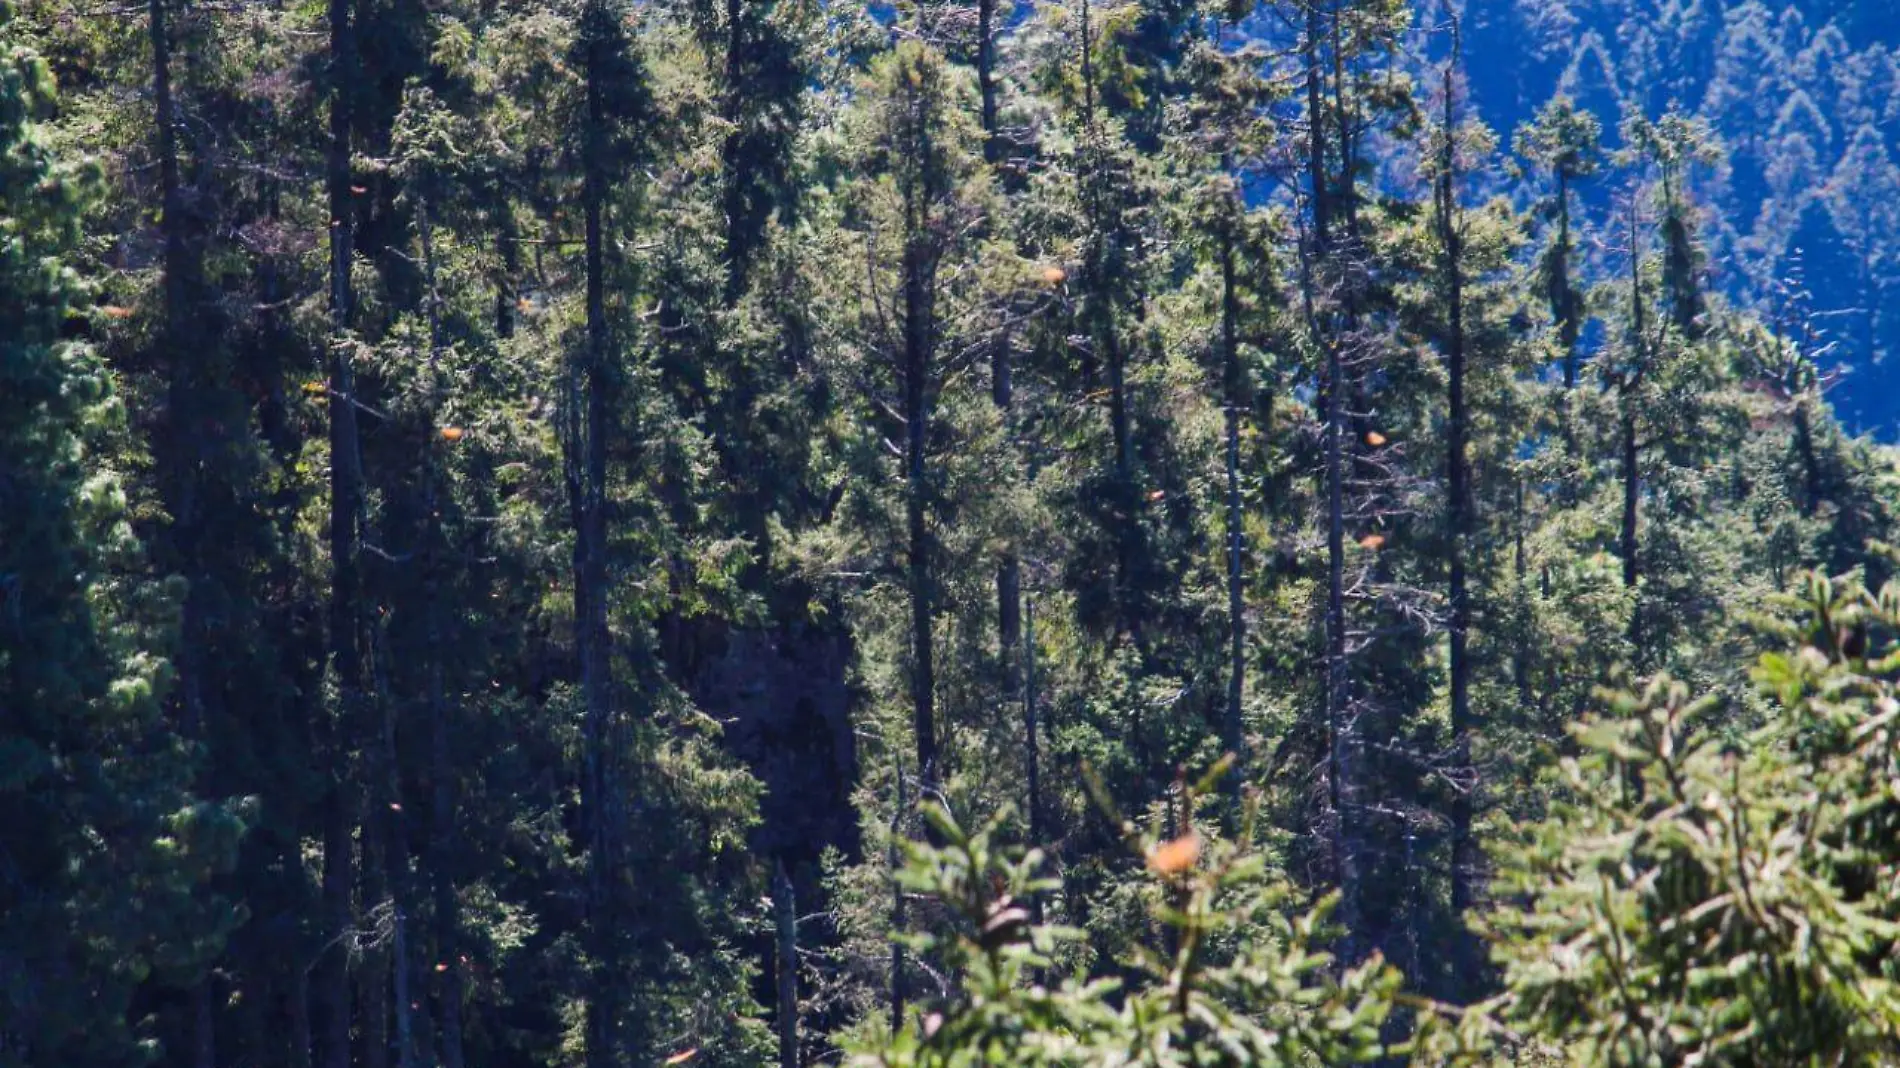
{"x":1374,"y":438}
{"x":451,"y":433}
{"x":1372,"y":541}
{"x":1177,"y":856}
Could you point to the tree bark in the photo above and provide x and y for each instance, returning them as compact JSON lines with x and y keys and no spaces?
{"x":1562,"y":307}
{"x":1339,"y":751}
{"x":204,"y":1035}
{"x":1032,"y":741}
{"x":345,"y":512}
{"x":1464,"y":852}
{"x":1232,"y":726}
{"x":1338,"y":722}
{"x":1810,"y":462}
{"x":899,"y":988}
{"x":180,"y":276}
{"x":986,"y":78}
{"x":785,"y":918}
{"x":1626,"y":540}
{"x":1316,"y":128}
{"x":590,"y":578}
{"x":919,"y":340}
{"x":1630,"y":448}
{"x":184,"y":455}
{"x":448,"y":965}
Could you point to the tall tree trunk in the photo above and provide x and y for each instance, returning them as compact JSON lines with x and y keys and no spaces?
{"x":1118,"y":403}
{"x":1562,"y":304}
{"x":590,"y":581}
{"x":1338,"y":720}
{"x":1088,"y":74}
{"x":1339,"y":750}
{"x":785,"y":919}
{"x":1626,"y":540}
{"x":1127,"y":496}
{"x":180,"y":276}
{"x":1627,"y":400}
{"x":739,"y":233}
{"x":204,"y":1035}
{"x":919,"y":339}
{"x":1316,"y":129}
{"x":297,"y":1008}
{"x":402,"y":989}
{"x":1099,"y":310}
{"x":1464,"y":852}
{"x":345,"y":511}
{"x":1521,"y":655}
{"x":1345,"y":197}
{"x":373,"y":973}
{"x":448,"y":965}
{"x":899,"y":987}
{"x":1038,"y":835}
{"x":185,"y":453}
{"x":508,"y":249}
{"x":1009,"y":572}
{"x":1231,"y":726}
{"x":986,"y":78}
{"x":1810,"y":461}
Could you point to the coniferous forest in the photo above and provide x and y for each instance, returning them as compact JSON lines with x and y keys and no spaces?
{"x":619,"y":533}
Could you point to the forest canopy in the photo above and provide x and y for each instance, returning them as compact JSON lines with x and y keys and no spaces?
{"x":1260,"y":532}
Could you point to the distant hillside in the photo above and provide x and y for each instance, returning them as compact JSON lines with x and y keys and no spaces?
{"x":1806,"y":96}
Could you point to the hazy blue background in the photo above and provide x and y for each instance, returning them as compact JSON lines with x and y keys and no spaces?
{"x":1803,"y":93}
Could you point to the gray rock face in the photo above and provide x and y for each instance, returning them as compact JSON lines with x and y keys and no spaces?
{"x":783,"y":696}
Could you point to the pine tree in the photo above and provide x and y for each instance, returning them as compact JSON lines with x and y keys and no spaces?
{"x":1563,"y":141}
{"x":107,"y":853}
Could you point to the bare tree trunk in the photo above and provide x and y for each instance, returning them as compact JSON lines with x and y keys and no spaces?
{"x":1038,"y":835}
{"x":345,"y":511}
{"x":590,"y":578}
{"x":1464,"y":852}
{"x":297,"y":1007}
{"x":1316,"y":129}
{"x":899,"y":988}
{"x":1631,"y":448}
{"x":1100,"y":315}
{"x":1521,"y":656}
{"x":180,"y":273}
{"x":181,"y":469}
{"x":1009,"y":572}
{"x":1339,"y":757}
{"x":204,"y":1035}
{"x":1339,"y":726}
{"x":1626,"y":541}
{"x":403,"y":991}
{"x":449,"y":966}
{"x":986,"y":78}
{"x":1810,"y":463}
{"x":785,"y":918}
{"x":1562,"y":308}
{"x":1232,"y":726}
{"x":508,"y":247}
{"x":919,"y":340}
{"x":372,"y":975}
{"x":448,"y":969}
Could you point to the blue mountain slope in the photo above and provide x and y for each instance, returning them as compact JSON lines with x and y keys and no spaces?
{"x":1806,"y":97}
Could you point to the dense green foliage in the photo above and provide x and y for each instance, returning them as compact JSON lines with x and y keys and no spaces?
{"x":580,"y":532}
